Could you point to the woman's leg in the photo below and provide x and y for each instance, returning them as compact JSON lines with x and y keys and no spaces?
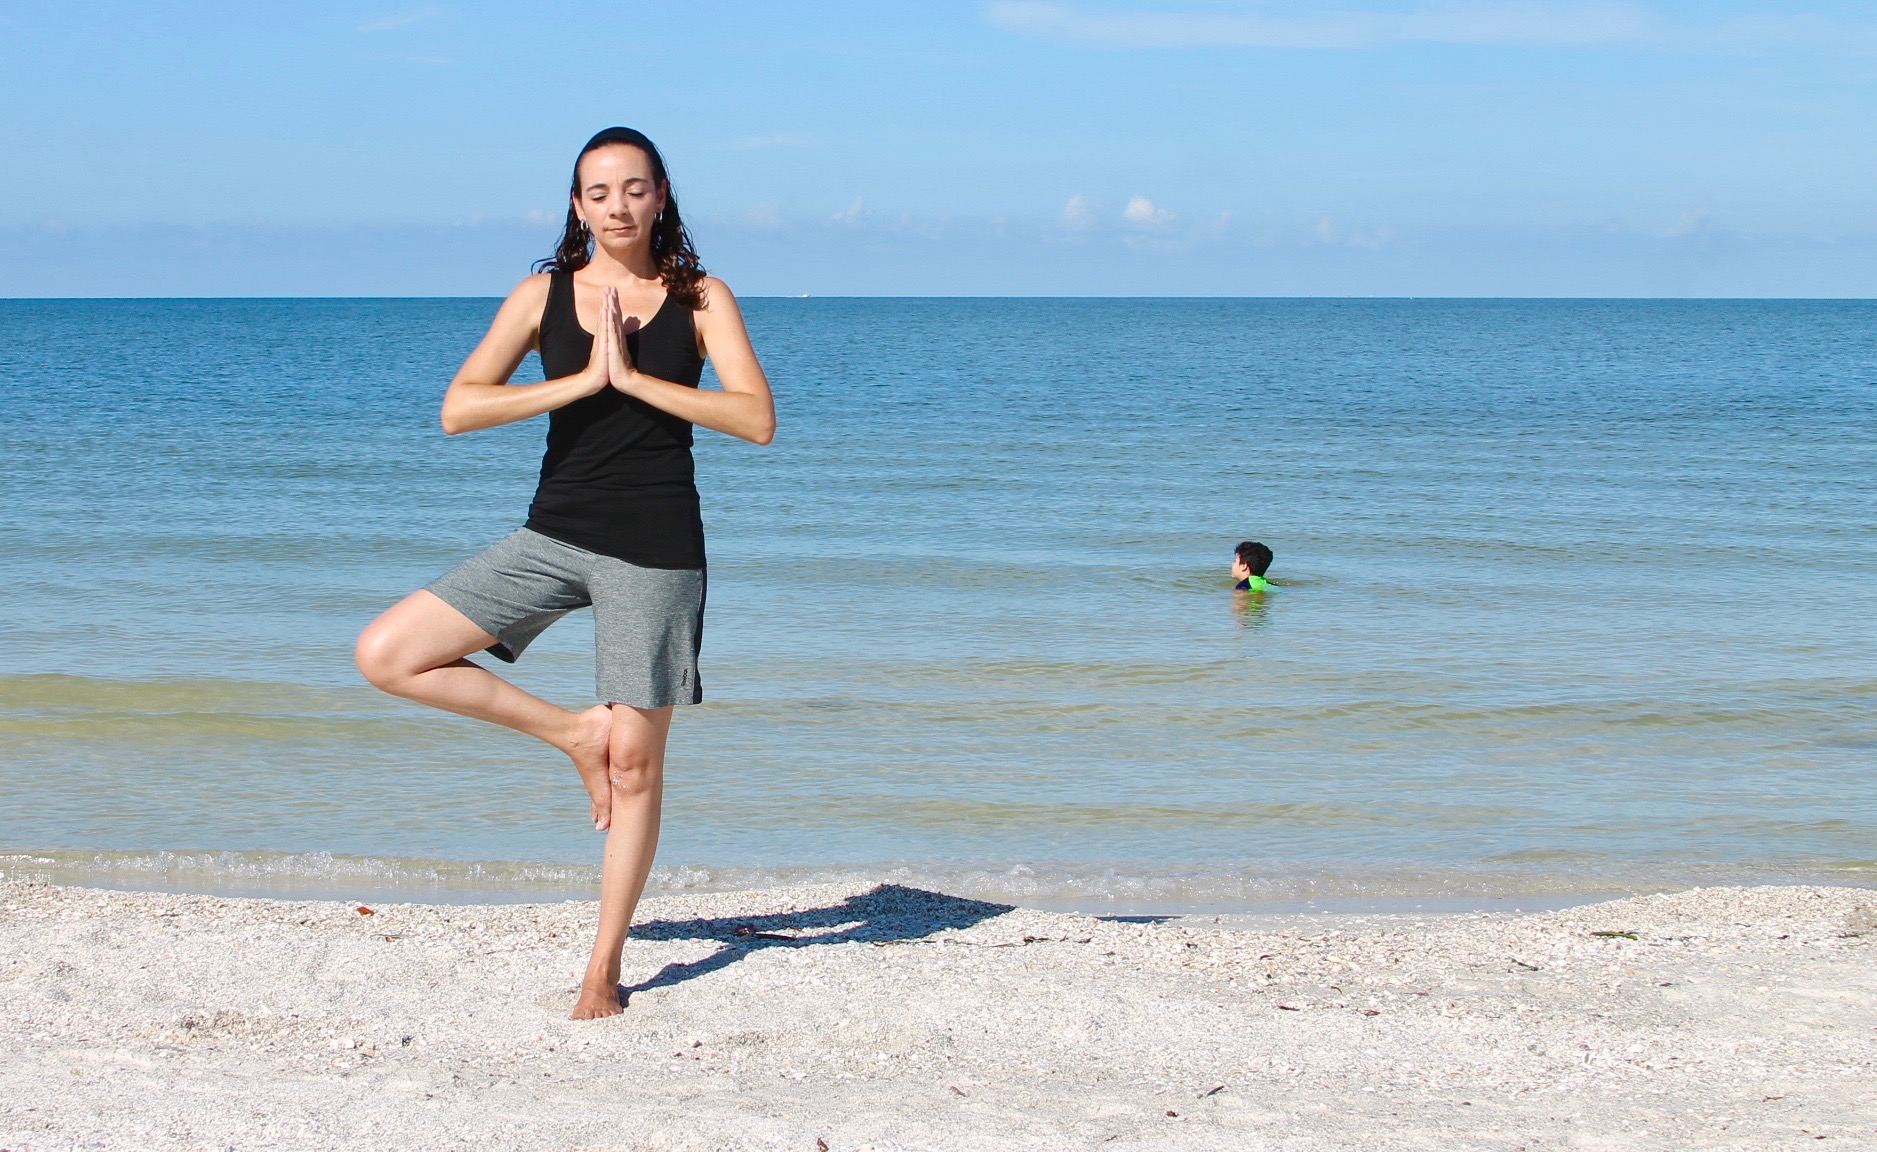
{"x":416,"y":649}
{"x":636,"y":765}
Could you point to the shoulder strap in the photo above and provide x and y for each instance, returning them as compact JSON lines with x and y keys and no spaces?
{"x":558,"y":282}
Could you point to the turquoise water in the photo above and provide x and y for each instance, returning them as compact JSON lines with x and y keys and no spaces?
{"x":1572,"y":597}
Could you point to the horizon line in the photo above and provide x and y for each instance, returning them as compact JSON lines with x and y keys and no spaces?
{"x":1017,"y":296}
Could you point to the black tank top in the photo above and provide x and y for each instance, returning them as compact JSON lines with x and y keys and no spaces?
{"x":618,"y":478}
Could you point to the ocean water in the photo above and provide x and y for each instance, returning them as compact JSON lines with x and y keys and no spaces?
{"x":1572,"y":597}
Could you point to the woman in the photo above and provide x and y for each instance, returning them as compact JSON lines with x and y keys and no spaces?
{"x":623,"y":317}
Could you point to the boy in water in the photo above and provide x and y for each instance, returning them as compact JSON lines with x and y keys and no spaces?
{"x":1250,"y":561}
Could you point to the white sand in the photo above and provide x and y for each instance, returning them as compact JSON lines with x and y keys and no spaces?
{"x":1739,"y":1018}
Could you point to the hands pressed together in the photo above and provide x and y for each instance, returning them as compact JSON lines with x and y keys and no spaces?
{"x":610,"y":365}
{"x":480,"y":396}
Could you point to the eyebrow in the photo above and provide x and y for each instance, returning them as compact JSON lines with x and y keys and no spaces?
{"x":601,"y":184}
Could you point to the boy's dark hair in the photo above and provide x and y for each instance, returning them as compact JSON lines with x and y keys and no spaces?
{"x":1255,"y":555}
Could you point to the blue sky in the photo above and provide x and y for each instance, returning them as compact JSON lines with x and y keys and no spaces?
{"x":1410,"y":147}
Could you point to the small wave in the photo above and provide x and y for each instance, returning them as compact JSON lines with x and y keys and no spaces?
{"x":306,"y":875}
{"x":1098,"y":888}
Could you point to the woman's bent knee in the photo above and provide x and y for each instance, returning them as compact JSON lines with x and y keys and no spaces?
{"x":413,"y":636}
{"x":376,"y":655}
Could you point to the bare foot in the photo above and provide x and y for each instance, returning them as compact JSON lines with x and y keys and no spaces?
{"x":592,"y":734}
{"x":597,"y":1001}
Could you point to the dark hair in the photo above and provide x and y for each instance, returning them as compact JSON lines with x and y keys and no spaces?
{"x":1255,"y":555}
{"x":672,"y":250}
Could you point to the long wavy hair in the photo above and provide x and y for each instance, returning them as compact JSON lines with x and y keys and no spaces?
{"x":672,"y":251}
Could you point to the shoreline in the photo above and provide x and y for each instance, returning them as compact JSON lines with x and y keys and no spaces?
{"x":883,"y":1016}
{"x":1118,"y":888}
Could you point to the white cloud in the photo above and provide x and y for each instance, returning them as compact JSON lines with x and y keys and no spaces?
{"x":402,"y":19}
{"x":1213,"y":230}
{"x":1797,"y":31}
{"x":1141,"y":210}
{"x":1550,"y":23}
{"x":1330,"y":232}
{"x":1691,"y":223}
{"x":1078,"y":213}
{"x":1555,"y":22}
{"x":763,"y":216}
{"x":775,"y":140}
{"x":851,"y":213}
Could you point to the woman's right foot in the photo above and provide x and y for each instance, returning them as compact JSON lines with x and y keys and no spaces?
{"x":593,"y":732}
{"x":597,"y":1002}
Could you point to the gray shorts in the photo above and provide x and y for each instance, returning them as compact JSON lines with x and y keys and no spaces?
{"x":648,"y":623}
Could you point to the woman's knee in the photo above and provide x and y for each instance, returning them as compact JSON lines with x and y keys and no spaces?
{"x":634,"y":767}
{"x":635,"y":762}
{"x":413,"y":636}
{"x":636,"y":759}
{"x":377,"y":655}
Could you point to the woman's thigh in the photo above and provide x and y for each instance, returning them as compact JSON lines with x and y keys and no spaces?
{"x":418,"y":633}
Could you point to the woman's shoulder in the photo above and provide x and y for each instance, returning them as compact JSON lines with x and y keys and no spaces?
{"x":714,"y":297}
{"x":531,"y":294}
{"x":526,"y":301}
{"x":533,"y":288}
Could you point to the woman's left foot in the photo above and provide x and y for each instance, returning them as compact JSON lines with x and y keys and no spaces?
{"x":588,"y":749}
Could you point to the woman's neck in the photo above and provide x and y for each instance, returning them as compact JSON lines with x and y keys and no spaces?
{"x":637,"y":265}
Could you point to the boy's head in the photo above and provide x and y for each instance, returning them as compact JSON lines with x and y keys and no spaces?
{"x":1250,"y":559}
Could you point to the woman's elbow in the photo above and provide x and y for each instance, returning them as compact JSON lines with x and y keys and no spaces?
{"x":764,"y":433}
{"x":454,"y":419}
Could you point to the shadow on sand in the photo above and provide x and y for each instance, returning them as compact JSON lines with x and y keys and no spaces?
{"x":889,"y":914}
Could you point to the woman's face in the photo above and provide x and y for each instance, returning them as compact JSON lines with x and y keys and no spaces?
{"x":618,"y":198}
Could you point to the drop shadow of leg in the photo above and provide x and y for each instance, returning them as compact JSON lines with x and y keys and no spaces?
{"x":890,"y":913}
{"x":672,"y":974}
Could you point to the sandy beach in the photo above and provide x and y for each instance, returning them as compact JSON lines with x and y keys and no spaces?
{"x":893,"y":1018}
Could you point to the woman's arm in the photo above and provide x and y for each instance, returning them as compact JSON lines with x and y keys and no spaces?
{"x":744,"y":408}
{"x":481,"y":397}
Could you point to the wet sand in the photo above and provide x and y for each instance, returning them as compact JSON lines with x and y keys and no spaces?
{"x":892,"y":1018}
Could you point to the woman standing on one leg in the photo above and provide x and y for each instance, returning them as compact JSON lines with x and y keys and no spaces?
{"x":623,"y":318}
